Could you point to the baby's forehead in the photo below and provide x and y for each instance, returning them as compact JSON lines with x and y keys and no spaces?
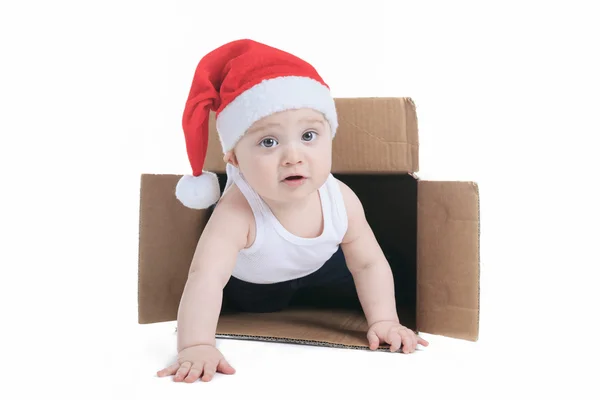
{"x":288,"y":118}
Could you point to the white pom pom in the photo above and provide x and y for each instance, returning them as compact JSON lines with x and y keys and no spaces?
{"x":198,"y":192}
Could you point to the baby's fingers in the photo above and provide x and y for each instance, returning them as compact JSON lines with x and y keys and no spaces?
{"x":183,"y":371}
{"x":395,"y":341}
{"x":194,"y":374}
{"x":408,"y":341}
{"x":422,"y":341}
{"x":411,"y":339}
{"x":224,"y":367}
{"x":170,"y":370}
{"x":210,"y":370}
{"x":373,"y":340}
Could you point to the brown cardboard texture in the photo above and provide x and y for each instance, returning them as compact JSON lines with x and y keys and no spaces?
{"x":429,"y":230}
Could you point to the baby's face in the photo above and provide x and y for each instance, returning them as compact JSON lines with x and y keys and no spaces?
{"x":287,"y":155}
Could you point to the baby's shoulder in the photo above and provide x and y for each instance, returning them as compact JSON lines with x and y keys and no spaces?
{"x":351,"y":201}
{"x":233,"y":209}
{"x":357,"y":222}
{"x":233,"y":205}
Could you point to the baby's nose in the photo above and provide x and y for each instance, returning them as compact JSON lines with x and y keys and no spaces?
{"x":292,"y":156}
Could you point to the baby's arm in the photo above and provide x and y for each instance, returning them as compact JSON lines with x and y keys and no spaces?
{"x":225,"y":234}
{"x":374,"y":281}
{"x":367,"y":263}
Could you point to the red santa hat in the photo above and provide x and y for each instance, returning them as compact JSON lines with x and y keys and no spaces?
{"x":242,"y":82}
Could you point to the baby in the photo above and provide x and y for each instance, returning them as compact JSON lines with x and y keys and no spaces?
{"x":283,"y":221}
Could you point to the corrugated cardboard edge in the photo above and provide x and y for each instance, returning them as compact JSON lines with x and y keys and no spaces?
{"x":448,"y":259}
{"x":383,"y":348}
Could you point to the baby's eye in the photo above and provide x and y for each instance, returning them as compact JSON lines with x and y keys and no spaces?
{"x":308,"y":136}
{"x":268,"y":142}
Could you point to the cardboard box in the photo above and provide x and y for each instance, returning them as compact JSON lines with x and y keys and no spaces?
{"x":428,"y":229}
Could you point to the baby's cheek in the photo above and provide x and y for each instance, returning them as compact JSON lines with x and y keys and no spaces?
{"x":260,"y":180}
{"x":260,"y":172}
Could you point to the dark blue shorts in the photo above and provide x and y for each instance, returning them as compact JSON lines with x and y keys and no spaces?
{"x":331,"y":286}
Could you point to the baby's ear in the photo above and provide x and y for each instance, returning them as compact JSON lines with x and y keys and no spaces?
{"x":230,"y":158}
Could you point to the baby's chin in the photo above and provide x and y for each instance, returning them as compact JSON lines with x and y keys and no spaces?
{"x":282,"y":192}
{"x":292,"y":189}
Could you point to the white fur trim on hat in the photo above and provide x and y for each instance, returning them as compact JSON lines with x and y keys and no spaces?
{"x":198,"y":192}
{"x":271,"y":96}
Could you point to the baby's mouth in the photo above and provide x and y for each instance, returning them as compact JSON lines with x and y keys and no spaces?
{"x":294,"y":180}
{"x":294,"y":177}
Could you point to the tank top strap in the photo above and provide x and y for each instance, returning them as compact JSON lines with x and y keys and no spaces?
{"x":326,"y":209}
{"x":256,"y":204}
{"x":234,"y":176}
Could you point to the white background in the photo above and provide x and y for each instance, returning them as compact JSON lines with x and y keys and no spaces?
{"x":92,"y":92}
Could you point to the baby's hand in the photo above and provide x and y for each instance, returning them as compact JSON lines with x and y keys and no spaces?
{"x":197,"y":361}
{"x":395,"y":335}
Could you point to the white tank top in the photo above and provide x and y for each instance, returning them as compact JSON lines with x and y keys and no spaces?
{"x":277,"y":255}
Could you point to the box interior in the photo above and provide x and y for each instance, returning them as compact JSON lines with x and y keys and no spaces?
{"x":390,"y":204}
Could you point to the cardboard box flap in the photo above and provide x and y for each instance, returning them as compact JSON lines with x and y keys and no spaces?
{"x":319,"y":327}
{"x":168,"y":235}
{"x":375,"y":135}
{"x":448,"y":259}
